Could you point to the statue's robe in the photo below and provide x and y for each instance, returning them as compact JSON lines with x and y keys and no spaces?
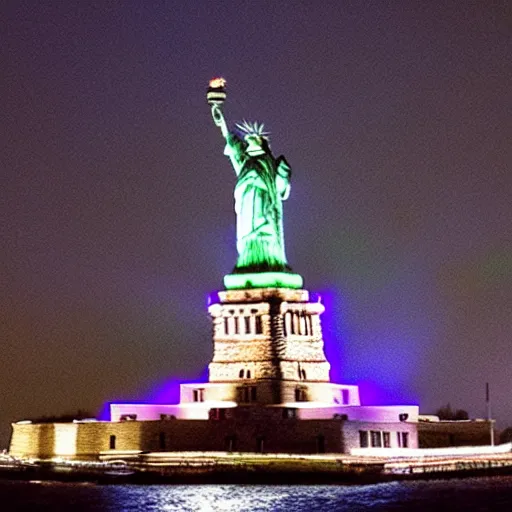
{"x":263,"y":182}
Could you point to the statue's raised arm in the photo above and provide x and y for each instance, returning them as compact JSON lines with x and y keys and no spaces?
{"x":216,"y":96}
{"x":263,"y":182}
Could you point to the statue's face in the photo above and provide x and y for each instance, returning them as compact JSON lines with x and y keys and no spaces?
{"x":254,"y":144}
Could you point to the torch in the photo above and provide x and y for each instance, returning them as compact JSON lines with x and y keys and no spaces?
{"x":216,"y":96}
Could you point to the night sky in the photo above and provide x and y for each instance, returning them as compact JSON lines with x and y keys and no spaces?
{"x":117,"y":208}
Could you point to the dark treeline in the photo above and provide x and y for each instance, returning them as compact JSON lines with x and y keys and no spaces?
{"x":63,"y":418}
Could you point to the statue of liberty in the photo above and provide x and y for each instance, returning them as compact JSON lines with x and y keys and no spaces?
{"x":263,"y":183}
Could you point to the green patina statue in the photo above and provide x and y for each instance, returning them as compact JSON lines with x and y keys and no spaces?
{"x":263,"y":182}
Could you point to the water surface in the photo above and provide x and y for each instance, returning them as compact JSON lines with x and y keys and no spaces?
{"x":472,"y":494}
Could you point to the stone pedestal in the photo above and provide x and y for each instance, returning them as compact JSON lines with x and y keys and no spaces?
{"x":270,"y":339}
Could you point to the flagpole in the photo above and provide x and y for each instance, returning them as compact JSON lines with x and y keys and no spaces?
{"x":488,"y":401}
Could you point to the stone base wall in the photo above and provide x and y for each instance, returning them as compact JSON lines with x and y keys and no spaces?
{"x":36,"y":440}
{"x":259,"y":434}
{"x":439,"y":434}
{"x":244,"y":429}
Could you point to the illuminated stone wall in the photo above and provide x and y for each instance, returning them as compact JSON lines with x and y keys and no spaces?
{"x":72,"y":440}
{"x":271,"y":435}
{"x":244,"y":428}
{"x":32,"y":440}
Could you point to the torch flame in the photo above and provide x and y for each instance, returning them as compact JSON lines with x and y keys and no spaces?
{"x":217,"y":82}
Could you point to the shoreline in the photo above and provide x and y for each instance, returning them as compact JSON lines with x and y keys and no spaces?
{"x":248,"y":469}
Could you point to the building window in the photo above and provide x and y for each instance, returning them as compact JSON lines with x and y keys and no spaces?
{"x":237,"y":328}
{"x":247,"y":321}
{"x":295,"y":323}
{"x":302,"y":324}
{"x":247,"y":394}
{"x":303,"y":374}
{"x":309,"y":324}
{"x":198,"y":395}
{"x":345,"y":398}
{"x":258,"y":325}
{"x":380,"y":439}
{"x":300,"y":394}
{"x":217,"y":414}
{"x":376,"y":439}
{"x":112,"y":443}
{"x":403,"y":439}
{"x":248,"y":374}
{"x":161,"y":440}
{"x":226,"y":325}
{"x":241,"y":374}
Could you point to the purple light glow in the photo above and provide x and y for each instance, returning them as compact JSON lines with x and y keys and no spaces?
{"x":104,"y":412}
{"x":378,"y":393}
{"x":337,"y":338}
{"x":213,"y":298}
{"x":168,"y":391}
{"x":164,"y":392}
{"x":334,"y":345}
{"x":349,"y":367}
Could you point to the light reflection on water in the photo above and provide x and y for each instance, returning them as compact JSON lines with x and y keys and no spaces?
{"x":216,"y":498}
{"x":474,"y":494}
